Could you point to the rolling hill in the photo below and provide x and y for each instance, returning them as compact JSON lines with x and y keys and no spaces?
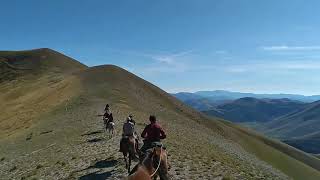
{"x":309,"y":143}
{"x":250,"y":109}
{"x":201,"y":103}
{"x":299,"y":123}
{"x":299,"y":128}
{"x":51,"y":129}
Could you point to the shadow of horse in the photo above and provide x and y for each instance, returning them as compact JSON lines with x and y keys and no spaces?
{"x":95,"y":140}
{"x":92,"y":133}
{"x":96,"y":176}
{"x":98,"y":165}
{"x":104,"y":164}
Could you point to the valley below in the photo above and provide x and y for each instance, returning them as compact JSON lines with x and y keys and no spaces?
{"x":294,"y":121}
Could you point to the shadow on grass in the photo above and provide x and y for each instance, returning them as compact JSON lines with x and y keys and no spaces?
{"x":98,"y":165}
{"x":94,"y":140}
{"x":104,"y":164}
{"x":92,"y":133}
{"x":96,"y":176}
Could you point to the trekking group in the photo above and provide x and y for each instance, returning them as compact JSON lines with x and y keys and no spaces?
{"x":152,"y":149}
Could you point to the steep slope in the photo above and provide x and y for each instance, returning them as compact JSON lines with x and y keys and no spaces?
{"x":297,"y":124}
{"x":31,"y":82}
{"x":67,"y":141}
{"x":300,"y":128}
{"x":255,"y":110}
{"x":309,"y":143}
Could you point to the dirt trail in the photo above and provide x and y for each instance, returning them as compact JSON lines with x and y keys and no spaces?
{"x":93,"y":155}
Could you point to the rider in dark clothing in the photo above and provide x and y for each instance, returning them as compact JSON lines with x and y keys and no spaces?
{"x":107,"y":118}
{"x":152,"y":133}
{"x":107,"y":108}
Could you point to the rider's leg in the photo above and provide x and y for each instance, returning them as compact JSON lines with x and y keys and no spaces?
{"x":121,"y":145}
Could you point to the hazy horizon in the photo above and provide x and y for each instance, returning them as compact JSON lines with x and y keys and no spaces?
{"x":244,"y":92}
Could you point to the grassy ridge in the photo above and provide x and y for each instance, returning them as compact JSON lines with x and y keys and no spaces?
{"x":66,"y":110}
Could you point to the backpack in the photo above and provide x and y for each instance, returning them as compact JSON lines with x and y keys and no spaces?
{"x":128,"y":129}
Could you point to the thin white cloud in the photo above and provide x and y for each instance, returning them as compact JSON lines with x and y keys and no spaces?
{"x":290,"y":48}
{"x":169,"y":59}
{"x":169,"y":63}
{"x":273,"y":66}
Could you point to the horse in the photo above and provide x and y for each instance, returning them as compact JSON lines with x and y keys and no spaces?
{"x":109,"y":125}
{"x":127,"y":146}
{"x":154,"y":164}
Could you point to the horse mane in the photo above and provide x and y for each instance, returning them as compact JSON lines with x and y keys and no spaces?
{"x":147,"y":167}
{"x":147,"y":162}
{"x":140,"y":174}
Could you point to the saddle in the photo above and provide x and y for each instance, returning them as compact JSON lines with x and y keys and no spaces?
{"x":155,"y":145}
{"x":127,"y":136}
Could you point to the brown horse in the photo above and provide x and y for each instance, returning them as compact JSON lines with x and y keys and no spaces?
{"x":127,"y":147}
{"x":154,"y":164}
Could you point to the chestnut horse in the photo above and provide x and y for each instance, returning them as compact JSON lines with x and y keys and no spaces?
{"x":127,"y":146}
{"x":154,"y":164}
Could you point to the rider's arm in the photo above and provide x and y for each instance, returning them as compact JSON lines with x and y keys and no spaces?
{"x":162,"y":134}
{"x":144,"y":132}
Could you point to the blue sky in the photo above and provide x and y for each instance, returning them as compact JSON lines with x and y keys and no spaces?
{"x":266,"y":46}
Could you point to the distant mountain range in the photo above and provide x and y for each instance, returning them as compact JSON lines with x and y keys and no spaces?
{"x":250,"y":109}
{"x":228,"y":95}
{"x":294,"y":119}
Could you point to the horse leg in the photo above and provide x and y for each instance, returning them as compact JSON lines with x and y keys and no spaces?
{"x":125,"y":160}
{"x":129,"y":163}
{"x":110,"y":135}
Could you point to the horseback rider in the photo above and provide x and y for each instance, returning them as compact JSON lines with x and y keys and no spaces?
{"x":107,"y":109}
{"x":110,"y":118}
{"x":129,"y":131}
{"x":152,"y":133}
{"x":131,"y":119}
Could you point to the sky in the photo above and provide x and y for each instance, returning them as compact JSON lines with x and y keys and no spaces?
{"x":268,"y":46}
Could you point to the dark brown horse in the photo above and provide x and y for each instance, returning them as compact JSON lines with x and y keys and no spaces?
{"x":154,"y":164}
{"x":127,"y":147}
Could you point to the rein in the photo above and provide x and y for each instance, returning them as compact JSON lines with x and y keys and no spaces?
{"x":158,"y":163}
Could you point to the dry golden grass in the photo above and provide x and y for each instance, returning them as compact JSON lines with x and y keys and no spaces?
{"x":57,"y":113}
